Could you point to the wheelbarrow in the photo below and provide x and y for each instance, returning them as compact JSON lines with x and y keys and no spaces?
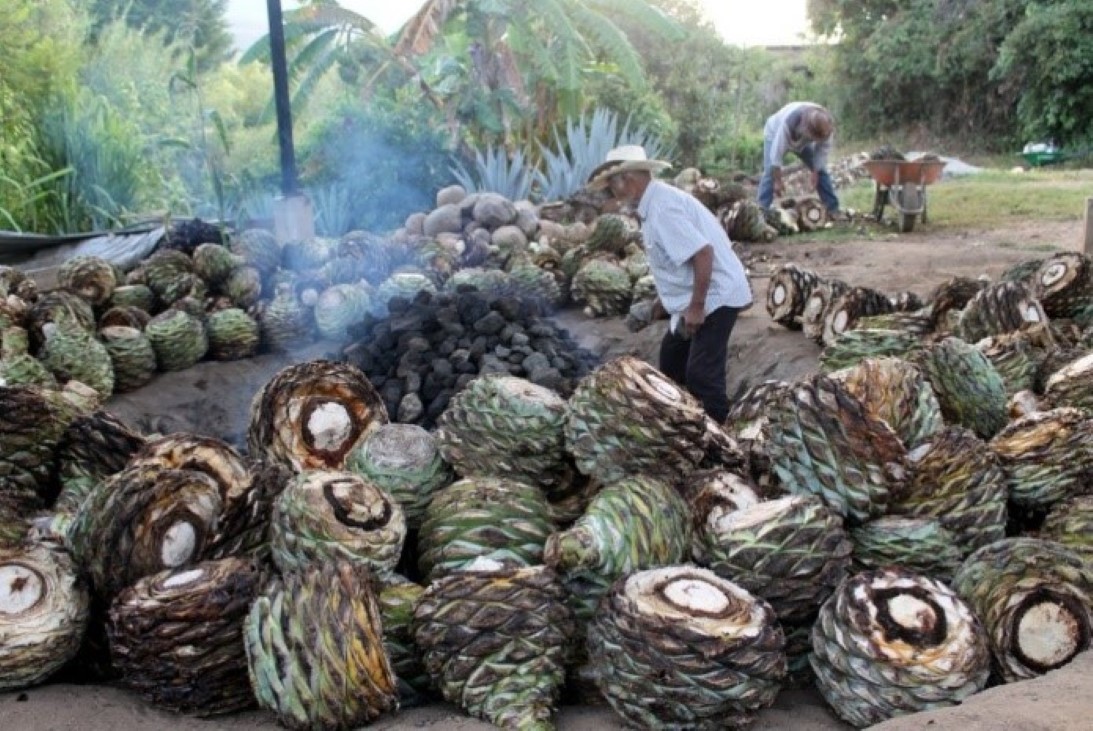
{"x":902,"y":183}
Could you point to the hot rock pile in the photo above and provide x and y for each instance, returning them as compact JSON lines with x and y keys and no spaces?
{"x":849,"y":530}
{"x":429,"y":348}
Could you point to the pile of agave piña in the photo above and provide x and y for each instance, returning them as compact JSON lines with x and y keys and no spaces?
{"x":899,"y":532}
{"x":226,"y":295}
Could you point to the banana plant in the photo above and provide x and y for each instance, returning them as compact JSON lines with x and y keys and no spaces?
{"x":542,"y":51}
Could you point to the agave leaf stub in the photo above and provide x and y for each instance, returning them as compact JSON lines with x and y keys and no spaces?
{"x":494,"y":639}
{"x":314,"y":646}
{"x":822,"y":441}
{"x":680,"y":647}
{"x":792,"y":551}
{"x":43,"y":613}
{"x":310,"y":415}
{"x":503,"y":426}
{"x":889,"y":643}
{"x":336,"y":515}
{"x":176,"y":637}
{"x":626,"y":417}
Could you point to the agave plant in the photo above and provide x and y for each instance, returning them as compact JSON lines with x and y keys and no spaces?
{"x":495,"y":171}
{"x":585,"y":144}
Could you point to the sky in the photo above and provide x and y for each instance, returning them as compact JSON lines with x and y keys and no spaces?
{"x":741,"y":22}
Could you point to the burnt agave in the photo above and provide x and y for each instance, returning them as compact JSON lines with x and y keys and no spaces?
{"x":626,"y":418}
{"x":889,"y":643}
{"x":1046,"y":456}
{"x":632,"y":524}
{"x":488,"y":517}
{"x":310,"y":415}
{"x":324,"y":516}
{"x":405,"y":461}
{"x":792,"y":552}
{"x":896,"y":392}
{"x":504,"y":426}
{"x":177,"y":637}
{"x":787,"y":292}
{"x":823,"y":441}
{"x":680,"y":647}
{"x":1035,"y":599}
{"x":43,"y":613}
{"x":143,"y":520}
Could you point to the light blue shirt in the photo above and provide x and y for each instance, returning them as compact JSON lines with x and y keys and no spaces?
{"x":674,"y":227}
{"x":781,"y":135}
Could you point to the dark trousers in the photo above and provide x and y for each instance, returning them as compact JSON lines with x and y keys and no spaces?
{"x":699,"y":363}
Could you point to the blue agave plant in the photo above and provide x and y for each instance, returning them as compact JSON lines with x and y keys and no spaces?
{"x":586,"y":142}
{"x":496,"y":172}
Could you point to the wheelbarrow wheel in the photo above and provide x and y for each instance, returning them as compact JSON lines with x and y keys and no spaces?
{"x":907,"y":222}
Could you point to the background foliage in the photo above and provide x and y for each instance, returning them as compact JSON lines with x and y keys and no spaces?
{"x":116,"y":109}
{"x":959,"y":68}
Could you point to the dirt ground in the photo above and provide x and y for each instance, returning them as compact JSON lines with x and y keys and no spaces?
{"x":214,"y":398}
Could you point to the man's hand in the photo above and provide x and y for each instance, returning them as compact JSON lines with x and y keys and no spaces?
{"x":815,"y":180}
{"x":692,"y":319}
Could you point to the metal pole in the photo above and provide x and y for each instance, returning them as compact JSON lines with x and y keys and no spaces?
{"x":1088,"y":247}
{"x":281,"y":98}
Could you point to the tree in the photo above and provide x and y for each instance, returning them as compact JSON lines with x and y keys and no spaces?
{"x":924,"y":63}
{"x":200,"y":24}
{"x":1049,"y":55}
{"x":542,"y":51}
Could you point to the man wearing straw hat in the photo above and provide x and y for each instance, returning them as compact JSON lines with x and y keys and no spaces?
{"x":699,"y":279}
{"x":807,"y":130}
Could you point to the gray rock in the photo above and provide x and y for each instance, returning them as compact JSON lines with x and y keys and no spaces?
{"x":536,"y":362}
{"x":527,"y":221}
{"x":410,"y":408}
{"x":493,"y":210}
{"x":445,"y":219}
{"x":453,"y":194}
{"x":491,"y":324}
{"x":545,"y":377}
{"x":510,"y":240}
{"x":415,"y":224}
{"x":492,"y":364}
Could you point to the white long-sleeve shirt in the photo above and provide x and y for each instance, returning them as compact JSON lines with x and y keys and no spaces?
{"x":676,"y":226}
{"x":784,"y":132}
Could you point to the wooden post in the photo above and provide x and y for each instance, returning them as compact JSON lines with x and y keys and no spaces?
{"x":1089,"y":226}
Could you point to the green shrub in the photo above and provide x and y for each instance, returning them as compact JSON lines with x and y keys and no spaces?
{"x":742,"y":153}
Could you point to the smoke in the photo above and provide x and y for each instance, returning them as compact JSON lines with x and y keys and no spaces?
{"x":370,"y":170}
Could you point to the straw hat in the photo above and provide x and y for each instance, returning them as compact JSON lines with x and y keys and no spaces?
{"x":623,"y":159}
